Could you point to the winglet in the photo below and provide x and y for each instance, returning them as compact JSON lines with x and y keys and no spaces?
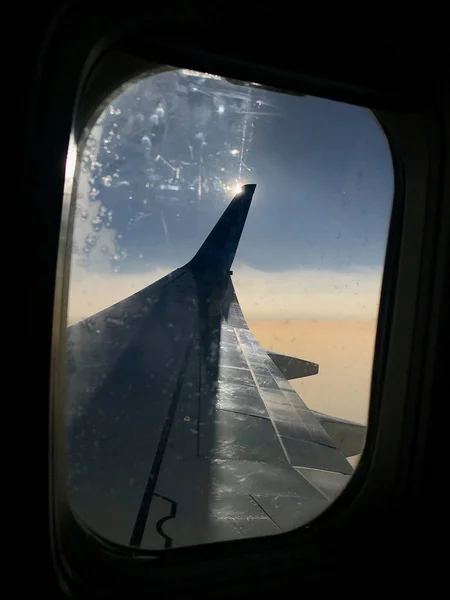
{"x":217,"y":252}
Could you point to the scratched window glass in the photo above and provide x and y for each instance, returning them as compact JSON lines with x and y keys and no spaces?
{"x":228,"y":250}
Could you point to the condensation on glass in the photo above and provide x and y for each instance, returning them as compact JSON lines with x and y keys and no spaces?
{"x":222,"y":396}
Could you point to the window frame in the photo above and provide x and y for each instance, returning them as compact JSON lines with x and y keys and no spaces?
{"x":83,"y":560}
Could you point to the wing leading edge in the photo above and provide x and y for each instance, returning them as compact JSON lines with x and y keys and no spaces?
{"x":181,"y":428}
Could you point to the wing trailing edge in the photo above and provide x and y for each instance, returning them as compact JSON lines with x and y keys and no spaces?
{"x":348,"y":436}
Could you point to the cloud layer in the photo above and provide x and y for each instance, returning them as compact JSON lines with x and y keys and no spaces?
{"x":295,"y":295}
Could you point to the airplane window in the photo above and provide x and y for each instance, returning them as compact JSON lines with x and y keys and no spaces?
{"x":226,"y":268}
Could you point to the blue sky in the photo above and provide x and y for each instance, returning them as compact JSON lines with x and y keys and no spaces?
{"x":325,"y":186}
{"x":321,"y":209}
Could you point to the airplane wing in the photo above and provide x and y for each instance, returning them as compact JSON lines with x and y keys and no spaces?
{"x":181,"y":428}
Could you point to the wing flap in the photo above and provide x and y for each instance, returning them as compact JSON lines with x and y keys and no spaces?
{"x":348,"y":436}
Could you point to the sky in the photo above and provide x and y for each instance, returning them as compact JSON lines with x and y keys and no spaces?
{"x":163,"y":161}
